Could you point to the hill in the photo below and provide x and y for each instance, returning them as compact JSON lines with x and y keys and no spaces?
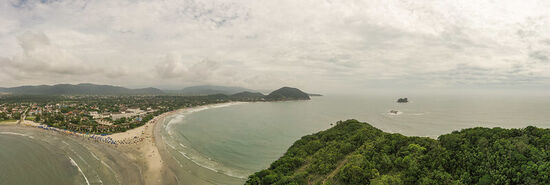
{"x":247,"y":96}
{"x":357,"y":153}
{"x":80,"y":89}
{"x":211,"y":89}
{"x":287,"y":93}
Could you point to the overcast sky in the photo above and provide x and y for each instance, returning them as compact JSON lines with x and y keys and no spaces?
{"x":318,"y":45}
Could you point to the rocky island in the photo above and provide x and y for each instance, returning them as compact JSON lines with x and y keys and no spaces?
{"x":402,"y":100}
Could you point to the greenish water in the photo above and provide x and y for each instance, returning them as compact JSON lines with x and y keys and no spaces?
{"x":241,"y":139}
{"x":26,"y":161}
{"x":31,"y":156}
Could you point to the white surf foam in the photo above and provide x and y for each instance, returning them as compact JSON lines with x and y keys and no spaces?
{"x":17,"y":134}
{"x":197,"y":163}
{"x":79,"y":170}
{"x":199,"y":160}
{"x":394,"y":114}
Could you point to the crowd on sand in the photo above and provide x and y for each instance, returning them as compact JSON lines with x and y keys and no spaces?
{"x":130,"y":137}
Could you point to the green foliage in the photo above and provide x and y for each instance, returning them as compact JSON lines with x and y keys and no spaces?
{"x":357,"y":153}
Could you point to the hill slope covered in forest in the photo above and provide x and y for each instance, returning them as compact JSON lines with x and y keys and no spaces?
{"x":357,"y":153}
{"x":287,"y":93}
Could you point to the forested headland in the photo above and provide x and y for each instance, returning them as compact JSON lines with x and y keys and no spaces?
{"x":353,"y":152}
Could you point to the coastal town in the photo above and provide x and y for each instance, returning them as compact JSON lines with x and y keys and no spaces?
{"x":108,"y":114}
{"x":95,"y":114}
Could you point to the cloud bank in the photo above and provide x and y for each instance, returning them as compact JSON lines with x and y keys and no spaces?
{"x":321,"y":45}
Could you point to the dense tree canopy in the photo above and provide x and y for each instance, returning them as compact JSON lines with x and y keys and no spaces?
{"x":357,"y":153}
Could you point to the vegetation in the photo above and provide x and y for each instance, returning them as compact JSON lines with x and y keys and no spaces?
{"x":8,"y":120}
{"x":402,"y":100}
{"x":210,"y":90}
{"x":287,"y":93}
{"x":247,"y":96}
{"x":357,"y":153}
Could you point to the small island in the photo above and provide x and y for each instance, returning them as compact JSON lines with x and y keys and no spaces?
{"x":402,"y":100}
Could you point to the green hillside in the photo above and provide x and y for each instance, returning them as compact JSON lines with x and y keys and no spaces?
{"x":287,"y":93}
{"x":357,"y":153}
{"x":203,"y":90}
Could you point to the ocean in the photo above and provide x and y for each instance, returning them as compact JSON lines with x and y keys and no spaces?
{"x":241,"y":139}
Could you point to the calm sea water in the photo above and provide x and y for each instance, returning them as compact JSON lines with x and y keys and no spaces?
{"x":241,"y":139}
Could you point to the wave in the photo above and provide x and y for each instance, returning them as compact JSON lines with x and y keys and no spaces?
{"x":93,"y":155}
{"x":183,"y":145}
{"x":17,"y":134}
{"x":79,"y":170}
{"x":112,"y":171}
{"x":176,"y":119}
{"x":99,"y":179}
{"x":228,"y":173}
{"x":171,"y":146}
{"x":204,"y":162}
{"x":206,"y":107}
{"x":419,"y":114}
{"x":189,"y":152}
{"x":394,"y":114}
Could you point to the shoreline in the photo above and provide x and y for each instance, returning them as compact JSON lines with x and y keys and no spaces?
{"x":132,"y":136}
{"x":143,"y":144}
{"x":98,"y":162}
{"x":184,"y":170}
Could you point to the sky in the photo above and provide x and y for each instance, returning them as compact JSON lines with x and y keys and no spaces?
{"x":317,"y":45}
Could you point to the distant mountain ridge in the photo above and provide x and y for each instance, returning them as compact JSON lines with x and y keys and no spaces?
{"x":247,"y":96}
{"x":233,"y":93}
{"x":80,"y":89}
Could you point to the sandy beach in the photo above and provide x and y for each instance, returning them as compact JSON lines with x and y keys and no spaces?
{"x":141,"y":144}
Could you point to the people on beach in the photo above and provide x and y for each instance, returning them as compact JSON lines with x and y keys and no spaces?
{"x":106,"y":138}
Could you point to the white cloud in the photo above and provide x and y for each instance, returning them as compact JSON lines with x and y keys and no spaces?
{"x":314,"y":44}
{"x":40,"y":56}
